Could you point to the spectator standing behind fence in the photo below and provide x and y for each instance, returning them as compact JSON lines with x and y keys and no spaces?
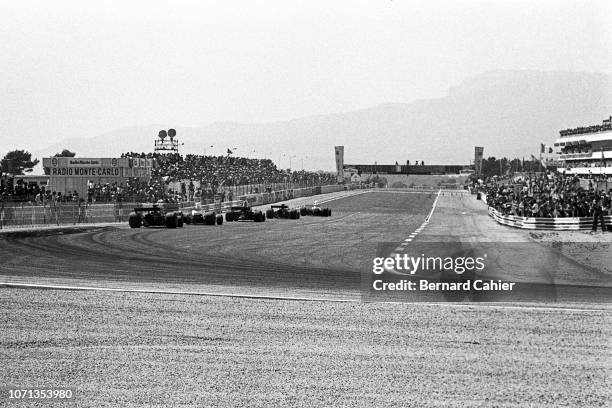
{"x":598,"y":216}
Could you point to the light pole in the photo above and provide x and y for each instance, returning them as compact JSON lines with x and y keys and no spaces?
{"x":279,"y":159}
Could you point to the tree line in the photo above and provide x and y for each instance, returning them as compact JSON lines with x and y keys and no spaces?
{"x":19,"y":162}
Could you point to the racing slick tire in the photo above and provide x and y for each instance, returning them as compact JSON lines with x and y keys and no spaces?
{"x":270,"y":213}
{"x":187,"y":218}
{"x":316,"y":212}
{"x":302,"y":211}
{"x":179,"y":219}
{"x":134,"y":220}
{"x":259,"y":217}
{"x":209,"y":219}
{"x":171,"y":220}
{"x":219,"y":219}
{"x":229,"y":216}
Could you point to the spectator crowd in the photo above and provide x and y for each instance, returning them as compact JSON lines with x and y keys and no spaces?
{"x":550,"y":195}
{"x":176,"y":178}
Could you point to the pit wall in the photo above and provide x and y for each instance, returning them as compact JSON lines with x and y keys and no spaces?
{"x":556,"y":224}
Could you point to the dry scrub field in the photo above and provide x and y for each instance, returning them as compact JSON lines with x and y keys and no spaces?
{"x":161,"y":350}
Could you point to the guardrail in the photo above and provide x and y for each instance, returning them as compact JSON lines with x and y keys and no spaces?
{"x":557,"y":224}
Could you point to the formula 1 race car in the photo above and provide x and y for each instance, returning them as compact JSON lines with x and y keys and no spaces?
{"x":244,"y":213}
{"x":282,"y":211}
{"x":203,"y":217}
{"x":156,"y":216}
{"x":314,"y":209}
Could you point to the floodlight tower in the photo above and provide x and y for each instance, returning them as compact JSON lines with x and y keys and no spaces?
{"x":171,"y":145}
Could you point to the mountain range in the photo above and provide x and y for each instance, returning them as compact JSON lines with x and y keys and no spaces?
{"x":508,"y":112}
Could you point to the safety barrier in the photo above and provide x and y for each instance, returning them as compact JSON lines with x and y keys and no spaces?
{"x":23,"y":215}
{"x":536,"y":223}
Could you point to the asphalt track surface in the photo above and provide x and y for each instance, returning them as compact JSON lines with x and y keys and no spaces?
{"x":310,"y":258}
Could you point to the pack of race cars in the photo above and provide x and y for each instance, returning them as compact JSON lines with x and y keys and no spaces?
{"x":169,"y":215}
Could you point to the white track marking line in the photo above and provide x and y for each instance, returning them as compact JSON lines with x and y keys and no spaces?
{"x":415,"y":233}
{"x":16,"y":285}
{"x":168,"y":292}
{"x":433,"y":207}
{"x":357,"y":192}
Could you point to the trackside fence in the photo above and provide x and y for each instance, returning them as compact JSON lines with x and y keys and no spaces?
{"x":16,"y":215}
{"x":24,"y":215}
{"x":536,"y":223}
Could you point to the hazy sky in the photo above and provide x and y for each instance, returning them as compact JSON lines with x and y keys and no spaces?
{"x":79,"y":69}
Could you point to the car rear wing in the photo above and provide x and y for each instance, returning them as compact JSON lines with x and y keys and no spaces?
{"x":166,"y":207}
{"x":149,"y":208}
{"x":239,"y":208}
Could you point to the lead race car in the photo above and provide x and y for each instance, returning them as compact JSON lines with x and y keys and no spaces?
{"x":315,"y":210}
{"x":156,"y":215}
{"x":283,"y":211}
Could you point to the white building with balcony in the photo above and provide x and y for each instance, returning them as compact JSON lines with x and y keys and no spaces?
{"x":586,"y":151}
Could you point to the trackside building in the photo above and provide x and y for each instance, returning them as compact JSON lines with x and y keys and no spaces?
{"x":586,"y":151}
{"x":69,"y":174}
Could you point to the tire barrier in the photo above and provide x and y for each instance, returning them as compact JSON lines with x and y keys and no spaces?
{"x":556,"y":224}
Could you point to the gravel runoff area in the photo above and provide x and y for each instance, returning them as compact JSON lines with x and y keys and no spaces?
{"x":135,"y":350}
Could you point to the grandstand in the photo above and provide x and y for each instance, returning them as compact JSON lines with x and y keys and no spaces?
{"x":586,"y":151}
{"x":154,"y":177}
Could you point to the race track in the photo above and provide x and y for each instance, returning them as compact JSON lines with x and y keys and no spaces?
{"x":312,"y":255}
{"x":134,"y":349}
